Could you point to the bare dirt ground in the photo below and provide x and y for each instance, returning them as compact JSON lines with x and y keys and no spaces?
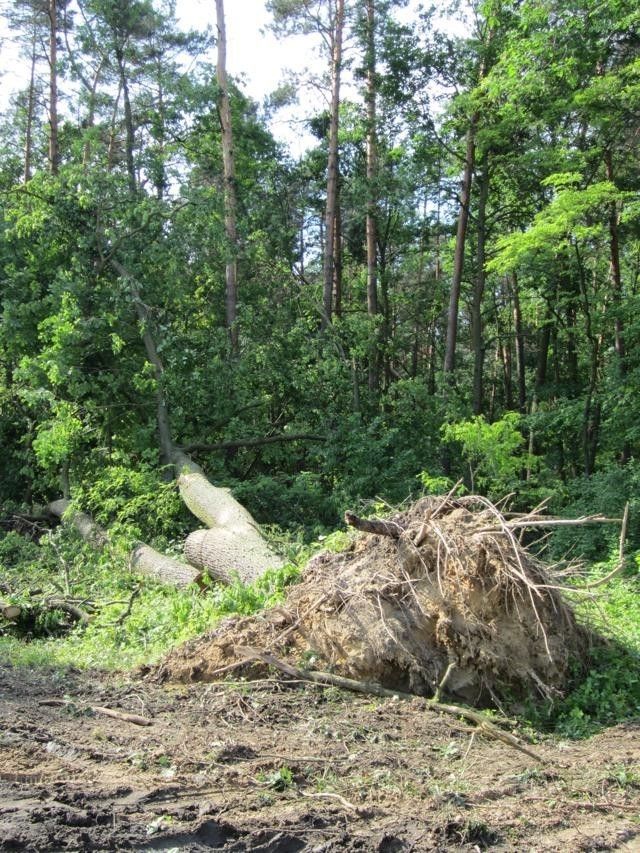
{"x":274,"y":767}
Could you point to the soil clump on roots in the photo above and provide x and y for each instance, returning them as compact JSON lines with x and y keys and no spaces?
{"x":443,"y":590}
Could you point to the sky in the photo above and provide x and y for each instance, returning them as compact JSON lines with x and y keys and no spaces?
{"x":254,"y":55}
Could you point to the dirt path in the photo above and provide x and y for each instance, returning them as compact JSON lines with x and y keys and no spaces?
{"x":268,"y":767}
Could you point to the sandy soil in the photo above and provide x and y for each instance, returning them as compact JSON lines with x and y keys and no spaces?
{"x":274,"y":767}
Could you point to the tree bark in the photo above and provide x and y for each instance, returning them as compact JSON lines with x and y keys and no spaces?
{"x":230,"y":200}
{"x":458,"y":258}
{"x":54,"y":145}
{"x":331,"y":244}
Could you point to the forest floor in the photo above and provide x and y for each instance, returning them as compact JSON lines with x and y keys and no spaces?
{"x":278,"y":767}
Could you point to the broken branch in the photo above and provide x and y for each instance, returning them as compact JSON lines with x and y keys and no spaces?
{"x":374,"y":525}
{"x":136,"y":719}
{"x":250,"y":442}
{"x":483,"y":723}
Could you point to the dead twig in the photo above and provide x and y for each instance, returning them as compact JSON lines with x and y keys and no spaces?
{"x":329,"y":795}
{"x":136,"y":719}
{"x":621,"y":560}
{"x":438,"y":694}
{"x":126,"y":613}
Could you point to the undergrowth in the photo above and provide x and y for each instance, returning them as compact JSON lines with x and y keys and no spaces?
{"x":609,"y":691}
{"x":136,"y":619}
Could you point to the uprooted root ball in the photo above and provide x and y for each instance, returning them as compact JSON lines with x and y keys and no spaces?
{"x":447,"y":583}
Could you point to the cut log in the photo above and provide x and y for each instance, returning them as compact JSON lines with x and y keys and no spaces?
{"x":148,"y":561}
{"x":226,"y":554}
{"x":143,"y":559}
{"x":233,"y":545}
{"x":10,"y":611}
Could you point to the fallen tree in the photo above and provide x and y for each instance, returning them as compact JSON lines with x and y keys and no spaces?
{"x":142,"y":558}
{"x":232,"y":545}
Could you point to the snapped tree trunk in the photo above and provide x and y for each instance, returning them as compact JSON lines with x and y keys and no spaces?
{"x":233,"y":545}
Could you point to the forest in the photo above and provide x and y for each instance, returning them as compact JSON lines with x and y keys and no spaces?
{"x":438,"y":296}
{"x":445,"y":285}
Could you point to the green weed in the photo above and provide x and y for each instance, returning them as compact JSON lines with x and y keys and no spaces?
{"x":277,"y":780}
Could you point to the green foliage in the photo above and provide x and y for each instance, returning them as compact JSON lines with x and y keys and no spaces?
{"x":135,"y":504}
{"x":609,"y":691}
{"x":434,"y":485}
{"x":59,"y":437}
{"x":493,"y":452}
{"x":567,"y":217}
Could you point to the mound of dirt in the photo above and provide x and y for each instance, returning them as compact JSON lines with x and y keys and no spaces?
{"x":444,"y":587}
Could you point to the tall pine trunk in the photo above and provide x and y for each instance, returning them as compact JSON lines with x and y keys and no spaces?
{"x":230,"y":201}
{"x":372,"y":171}
{"x":31,"y":97}
{"x":519,"y":340}
{"x":130,"y":136}
{"x":331,"y":245}
{"x":54,"y":145}
{"x":478,"y":291}
{"x":458,"y":257}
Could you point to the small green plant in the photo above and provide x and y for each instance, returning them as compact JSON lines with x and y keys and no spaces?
{"x":624,"y":776}
{"x":277,"y":780}
{"x":494,"y":451}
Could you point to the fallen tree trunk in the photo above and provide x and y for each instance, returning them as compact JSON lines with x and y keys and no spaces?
{"x":86,"y":526}
{"x":142,"y":559}
{"x":233,"y":545}
{"x":227,"y":553}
